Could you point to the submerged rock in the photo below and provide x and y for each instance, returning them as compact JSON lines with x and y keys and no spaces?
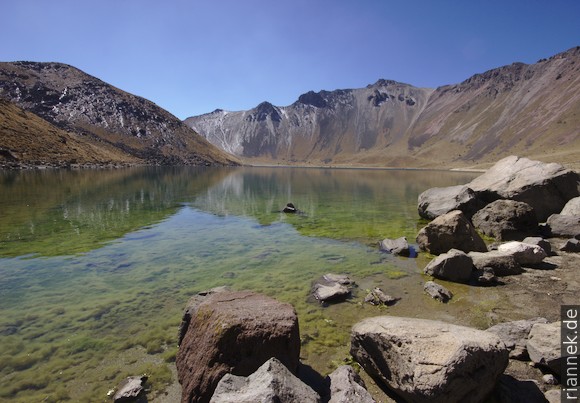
{"x":378,"y":297}
{"x":544,"y":346}
{"x":131,"y":390}
{"x":290,"y":208}
{"x":437,"y":291}
{"x":398,"y":246}
{"x":423,"y":360}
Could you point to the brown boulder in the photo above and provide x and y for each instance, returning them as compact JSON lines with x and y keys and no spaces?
{"x":450,"y":231}
{"x":233,"y":332}
{"x":506,"y":220}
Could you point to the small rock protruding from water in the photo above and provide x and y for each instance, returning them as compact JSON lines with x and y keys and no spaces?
{"x":290,"y":209}
{"x":332,"y":287}
{"x":487,"y":277}
{"x":378,"y":297}
{"x":131,"y":390}
{"x":437,"y":291}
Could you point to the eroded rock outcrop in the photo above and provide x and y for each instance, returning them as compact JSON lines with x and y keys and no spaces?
{"x":423,"y":360}
{"x":233,"y":332}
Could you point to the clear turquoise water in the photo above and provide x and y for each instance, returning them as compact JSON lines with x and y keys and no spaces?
{"x":96,"y":266}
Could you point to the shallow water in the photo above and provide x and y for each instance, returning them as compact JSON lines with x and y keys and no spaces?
{"x":97,"y":266}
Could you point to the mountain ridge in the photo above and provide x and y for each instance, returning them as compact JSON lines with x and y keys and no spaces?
{"x":76,"y":102}
{"x":526,"y":109}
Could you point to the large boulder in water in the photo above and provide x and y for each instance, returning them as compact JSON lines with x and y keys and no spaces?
{"x":233,"y":332}
{"x":506,"y":220}
{"x":423,"y":360}
{"x":450,"y":231}
{"x":545,"y":187}
{"x":438,"y":201}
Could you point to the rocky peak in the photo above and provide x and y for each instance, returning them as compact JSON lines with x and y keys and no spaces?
{"x":264,"y":111}
{"x":312,"y":98}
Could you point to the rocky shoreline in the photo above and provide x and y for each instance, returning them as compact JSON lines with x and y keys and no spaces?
{"x":245,"y":347}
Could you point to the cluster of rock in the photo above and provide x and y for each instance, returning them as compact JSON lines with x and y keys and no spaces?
{"x":239,"y":346}
{"x":245,"y":347}
{"x":518,"y":202}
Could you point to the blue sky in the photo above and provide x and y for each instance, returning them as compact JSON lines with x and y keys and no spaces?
{"x":191,"y":57}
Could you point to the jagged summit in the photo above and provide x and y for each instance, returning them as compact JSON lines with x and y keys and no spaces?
{"x":524,"y":109}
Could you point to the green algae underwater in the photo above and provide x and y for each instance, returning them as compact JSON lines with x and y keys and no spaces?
{"x":96,"y":266}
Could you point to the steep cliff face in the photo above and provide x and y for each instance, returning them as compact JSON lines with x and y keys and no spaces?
{"x":76,"y":102}
{"x":327,"y":126}
{"x":531,"y":110}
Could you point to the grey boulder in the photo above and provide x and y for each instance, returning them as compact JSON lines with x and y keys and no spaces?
{"x":514,"y":334}
{"x":131,"y":390}
{"x":506,"y":220}
{"x":564,"y":226}
{"x":545,"y":187}
{"x":502,"y":264}
{"x":398,"y":246}
{"x":544,"y":345}
{"x":423,"y":360}
{"x":454,"y":266}
{"x":450,"y":231}
{"x":572,"y":207}
{"x":272,"y":382}
{"x":346,"y":386}
{"x":332,"y":287}
{"x":438,"y":201}
{"x":524,"y":253}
